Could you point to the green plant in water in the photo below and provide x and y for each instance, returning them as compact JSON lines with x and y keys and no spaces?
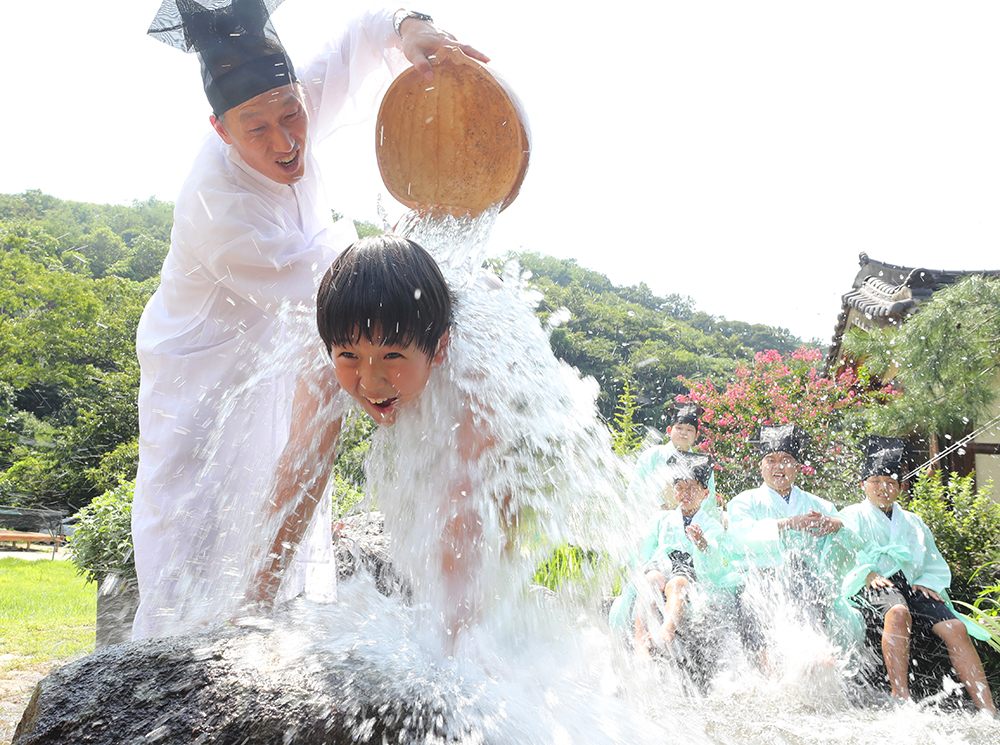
{"x":985,"y":611}
{"x":626,"y":433}
{"x":568,"y":563}
{"x":102,"y":541}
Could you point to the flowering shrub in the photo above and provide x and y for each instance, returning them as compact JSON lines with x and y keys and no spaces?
{"x":778,"y":390}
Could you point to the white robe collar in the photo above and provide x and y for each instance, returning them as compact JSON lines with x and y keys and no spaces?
{"x":791,"y":506}
{"x":283,"y":191}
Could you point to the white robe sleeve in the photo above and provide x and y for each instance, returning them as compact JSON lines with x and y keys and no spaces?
{"x":934,"y":572}
{"x":344,"y":84}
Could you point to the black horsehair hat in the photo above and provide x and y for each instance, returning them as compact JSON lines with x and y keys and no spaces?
{"x":241,"y":55}
{"x":884,"y":456}
{"x":686,"y":414}
{"x":781,"y":438}
{"x":695,"y":466}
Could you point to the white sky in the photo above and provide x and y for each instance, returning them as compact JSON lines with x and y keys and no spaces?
{"x":739,"y":152}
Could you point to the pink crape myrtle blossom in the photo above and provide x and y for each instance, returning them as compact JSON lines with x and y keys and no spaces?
{"x":778,"y":390}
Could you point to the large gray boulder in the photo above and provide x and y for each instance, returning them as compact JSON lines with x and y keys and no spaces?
{"x":240,"y":687}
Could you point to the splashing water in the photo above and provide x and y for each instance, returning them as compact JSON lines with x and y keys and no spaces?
{"x":501,"y":459}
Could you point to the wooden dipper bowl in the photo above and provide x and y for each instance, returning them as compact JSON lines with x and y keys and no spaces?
{"x":459,"y":143}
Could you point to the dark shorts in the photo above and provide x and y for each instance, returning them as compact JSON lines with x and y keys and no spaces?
{"x":926,"y":612}
{"x":929,"y":658}
{"x":678,"y":563}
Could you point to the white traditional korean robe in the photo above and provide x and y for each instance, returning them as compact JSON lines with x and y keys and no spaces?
{"x":902,"y":543}
{"x":219,"y":345}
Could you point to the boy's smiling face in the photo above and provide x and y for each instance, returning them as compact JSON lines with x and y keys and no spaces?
{"x":384,"y":377}
{"x":683,"y":435}
{"x":779,"y":470}
{"x":690,"y":494}
{"x":882,"y":491}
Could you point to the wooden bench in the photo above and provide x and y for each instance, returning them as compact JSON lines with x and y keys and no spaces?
{"x":23,"y":524}
{"x":17,"y":536}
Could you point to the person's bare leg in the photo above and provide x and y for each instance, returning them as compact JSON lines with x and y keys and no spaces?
{"x":643,"y":639}
{"x":675,"y":598}
{"x":896,"y":649}
{"x":966,"y":662}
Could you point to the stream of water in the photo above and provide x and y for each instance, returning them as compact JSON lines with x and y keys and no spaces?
{"x":532,"y":667}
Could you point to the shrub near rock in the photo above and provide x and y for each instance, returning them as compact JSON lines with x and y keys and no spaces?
{"x":102,"y":542}
{"x":966,"y":528}
{"x":102,"y":552}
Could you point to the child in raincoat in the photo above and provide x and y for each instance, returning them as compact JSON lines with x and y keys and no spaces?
{"x":900,"y":580}
{"x":794,"y":550}
{"x":686,"y":578}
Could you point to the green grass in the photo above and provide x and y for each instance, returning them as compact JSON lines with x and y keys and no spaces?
{"x":47,"y":611}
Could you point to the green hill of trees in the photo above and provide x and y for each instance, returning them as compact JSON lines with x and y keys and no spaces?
{"x":74,"y":278}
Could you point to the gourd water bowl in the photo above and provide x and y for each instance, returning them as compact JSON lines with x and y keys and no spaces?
{"x":459,"y":143}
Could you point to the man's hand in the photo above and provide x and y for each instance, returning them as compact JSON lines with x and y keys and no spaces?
{"x":813,"y":522}
{"x":422,"y":40}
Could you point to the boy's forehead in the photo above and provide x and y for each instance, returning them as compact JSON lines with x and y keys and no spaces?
{"x":687,"y":482}
{"x":778,"y":455}
{"x":882,"y":479}
{"x":364,"y":335}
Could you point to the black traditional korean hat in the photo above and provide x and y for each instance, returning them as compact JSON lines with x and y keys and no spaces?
{"x":241,"y":55}
{"x":781,"y":438}
{"x":695,"y":466}
{"x":686,"y":414}
{"x":884,"y":456}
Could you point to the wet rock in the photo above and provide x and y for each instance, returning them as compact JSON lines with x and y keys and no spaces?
{"x":363,"y":545}
{"x":117,"y":602}
{"x":238,"y":687}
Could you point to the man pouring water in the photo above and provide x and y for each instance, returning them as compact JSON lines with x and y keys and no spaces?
{"x":220,"y":342}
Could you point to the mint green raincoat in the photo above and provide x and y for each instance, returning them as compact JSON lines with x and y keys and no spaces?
{"x":712,"y":566}
{"x":902,"y":543}
{"x":757,"y":542}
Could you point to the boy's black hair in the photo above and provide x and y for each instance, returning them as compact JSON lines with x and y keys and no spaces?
{"x":384,"y":284}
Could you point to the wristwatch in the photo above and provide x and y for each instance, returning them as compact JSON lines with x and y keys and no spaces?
{"x":401,"y":16}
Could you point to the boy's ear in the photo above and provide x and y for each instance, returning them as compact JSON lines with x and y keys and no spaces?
{"x":442,"y":348}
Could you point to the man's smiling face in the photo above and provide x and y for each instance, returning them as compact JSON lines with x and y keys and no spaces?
{"x":269,"y":133}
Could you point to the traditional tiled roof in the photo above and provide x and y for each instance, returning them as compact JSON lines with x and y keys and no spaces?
{"x":885,"y":293}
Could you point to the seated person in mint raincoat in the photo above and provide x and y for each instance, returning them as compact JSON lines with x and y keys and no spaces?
{"x":686,"y":577}
{"x":650,"y":484}
{"x":900,"y":580}
{"x":794,"y":549}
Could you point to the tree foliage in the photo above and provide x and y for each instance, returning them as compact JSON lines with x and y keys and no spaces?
{"x":616,"y":334}
{"x":966,"y":528}
{"x":776,"y":389}
{"x":102,"y":541}
{"x":68,"y":372}
{"x":944,"y":359}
